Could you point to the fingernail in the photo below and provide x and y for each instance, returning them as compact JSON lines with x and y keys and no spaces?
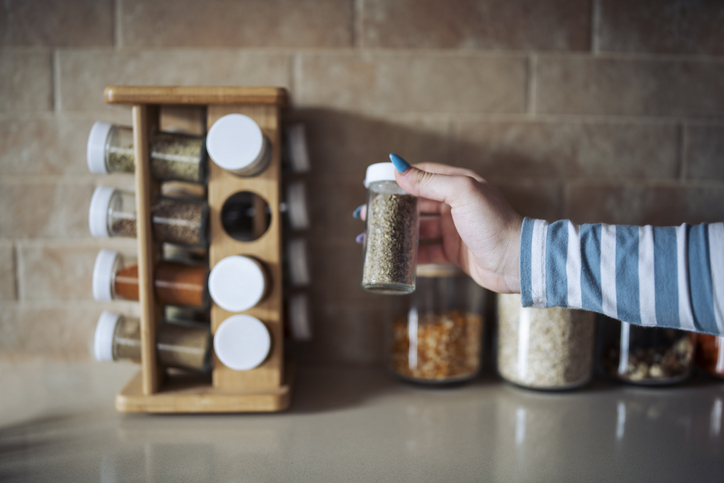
{"x":357,"y":211}
{"x":400,"y":164}
{"x":360,"y":238}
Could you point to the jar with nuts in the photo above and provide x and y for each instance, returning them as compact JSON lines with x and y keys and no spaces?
{"x":439,"y":339}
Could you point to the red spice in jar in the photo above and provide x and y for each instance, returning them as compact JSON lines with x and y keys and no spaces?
{"x":175,"y":284}
{"x":710,"y":354}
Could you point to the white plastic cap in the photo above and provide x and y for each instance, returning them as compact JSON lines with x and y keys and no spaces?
{"x":235,"y":142}
{"x":103,"y":272}
{"x":298,"y":258}
{"x":299,"y":321}
{"x":379,"y":172}
{"x":96,"y":150}
{"x":242,"y":342}
{"x":237,"y":283}
{"x":298,"y":153}
{"x":103,"y":341}
{"x":296,"y":204}
{"x":98,"y":212}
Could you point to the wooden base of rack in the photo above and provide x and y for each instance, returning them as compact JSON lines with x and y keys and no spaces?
{"x":195,"y":394}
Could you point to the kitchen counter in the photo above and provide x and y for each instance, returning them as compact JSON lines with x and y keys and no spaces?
{"x":358,"y":424}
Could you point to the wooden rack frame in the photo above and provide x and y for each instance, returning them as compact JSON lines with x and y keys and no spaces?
{"x":267,"y":387}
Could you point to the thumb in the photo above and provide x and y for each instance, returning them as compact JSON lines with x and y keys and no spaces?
{"x":439,"y":187}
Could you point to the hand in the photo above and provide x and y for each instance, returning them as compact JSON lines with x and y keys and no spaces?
{"x":478,"y":229}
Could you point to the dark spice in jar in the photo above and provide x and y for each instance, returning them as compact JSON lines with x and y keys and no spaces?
{"x":710,"y":354}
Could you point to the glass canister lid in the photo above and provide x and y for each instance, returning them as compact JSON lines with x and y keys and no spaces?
{"x":242,"y":342}
{"x":237,"y":283}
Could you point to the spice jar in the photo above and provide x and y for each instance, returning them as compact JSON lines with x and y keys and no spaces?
{"x":296,"y":158}
{"x":173,"y":156}
{"x":390,"y":248}
{"x":298,"y":319}
{"x":544,"y":348}
{"x":439,"y":339}
{"x":644,"y":355}
{"x":118,"y":337}
{"x":236,"y":143}
{"x":237,"y":283}
{"x":296,"y":206}
{"x":175,"y":283}
{"x":242,"y":342}
{"x":113,"y":213}
{"x":710,"y":354}
{"x":297,"y":262}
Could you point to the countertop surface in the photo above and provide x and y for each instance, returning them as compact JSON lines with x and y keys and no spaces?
{"x":359,"y":424}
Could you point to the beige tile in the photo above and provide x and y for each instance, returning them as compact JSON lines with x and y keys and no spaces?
{"x":25,"y":81}
{"x":7,"y":272}
{"x":661,"y":26}
{"x":584,"y":85}
{"x":9,"y":327}
{"x":62,"y":272}
{"x":471,"y":24}
{"x":229,"y":23}
{"x":704,"y":152}
{"x":332,"y":200}
{"x":336,"y":271}
{"x":636,"y":204}
{"x":567,"y":150}
{"x":85,"y":73}
{"x":56,"y":23}
{"x":534,"y":199}
{"x":411,"y":82}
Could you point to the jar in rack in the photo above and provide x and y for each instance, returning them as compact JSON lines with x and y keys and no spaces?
{"x":237,"y":144}
{"x":710,"y":354}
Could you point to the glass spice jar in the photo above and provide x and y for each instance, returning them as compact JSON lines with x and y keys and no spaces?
{"x":113,"y":214}
{"x":237,"y":144}
{"x":544,"y":348}
{"x":118,"y":337}
{"x":173,"y":156}
{"x":298,"y":319}
{"x":644,"y":355}
{"x":242,"y":342}
{"x":389,"y":255}
{"x":296,"y":156}
{"x":439,"y":340}
{"x":297,"y":263}
{"x":296,"y":207}
{"x":238,"y":283}
{"x":175,"y":283}
{"x":710,"y":354}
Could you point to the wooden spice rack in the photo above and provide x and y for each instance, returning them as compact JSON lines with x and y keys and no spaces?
{"x":265,"y":388}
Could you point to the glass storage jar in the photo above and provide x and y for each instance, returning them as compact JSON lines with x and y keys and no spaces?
{"x":544,"y":348}
{"x":439,"y":340}
{"x":644,"y":355}
{"x":113,"y":214}
{"x":118,"y":337}
{"x":389,"y":254}
{"x":710,"y":354}
{"x":175,"y":283}
{"x":237,"y":144}
{"x":173,"y":156}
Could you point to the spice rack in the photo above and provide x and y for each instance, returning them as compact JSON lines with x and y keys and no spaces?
{"x":265,"y":388}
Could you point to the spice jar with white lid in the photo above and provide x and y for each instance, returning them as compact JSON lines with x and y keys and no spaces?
{"x":439,"y":340}
{"x":237,"y":144}
{"x":296,"y":206}
{"x":173,"y":156}
{"x":113,"y":214}
{"x":296,"y":155}
{"x":391,"y":233}
{"x":298,"y":317}
{"x":118,"y":337}
{"x":297,"y":263}
{"x":544,"y":348}
{"x":175,"y":283}
{"x":238,"y":283}
{"x":242,"y":342}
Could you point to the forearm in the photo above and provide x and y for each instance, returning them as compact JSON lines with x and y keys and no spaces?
{"x":652,"y":276}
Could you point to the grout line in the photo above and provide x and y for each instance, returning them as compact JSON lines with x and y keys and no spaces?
{"x":452,"y":144}
{"x":56,"y":80}
{"x":296,"y":77}
{"x":16,"y":272}
{"x":357,"y":8}
{"x":595,"y":22}
{"x":117,"y":11}
{"x":532,"y":87}
{"x":682,"y":138}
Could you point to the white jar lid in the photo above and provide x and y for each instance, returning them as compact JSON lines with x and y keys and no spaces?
{"x":98,"y":212}
{"x":103,"y":340}
{"x":297,"y":208}
{"x":103,"y":272}
{"x":96,"y":149}
{"x":235,"y":142}
{"x":297,"y":146}
{"x":242,"y":342}
{"x":300,"y":324}
{"x":379,"y":172}
{"x":237,"y":283}
{"x":298,"y":259}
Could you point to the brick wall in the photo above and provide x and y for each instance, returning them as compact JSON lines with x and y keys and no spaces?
{"x":603,"y":110}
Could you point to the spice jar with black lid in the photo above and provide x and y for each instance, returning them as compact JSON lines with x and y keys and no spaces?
{"x":391,"y":233}
{"x":181,"y":221}
{"x":175,"y":283}
{"x":173,"y":156}
{"x":439,"y":339}
{"x":118,"y":337}
{"x":237,"y":144}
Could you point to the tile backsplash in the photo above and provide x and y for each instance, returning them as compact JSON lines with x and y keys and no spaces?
{"x":594,"y":110}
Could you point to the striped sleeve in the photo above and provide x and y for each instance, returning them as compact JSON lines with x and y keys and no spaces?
{"x":651,"y":276}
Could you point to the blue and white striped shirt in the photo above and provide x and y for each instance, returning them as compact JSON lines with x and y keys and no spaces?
{"x":652,"y":276}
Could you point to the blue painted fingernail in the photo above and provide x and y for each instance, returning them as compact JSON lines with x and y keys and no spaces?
{"x":357,"y":211}
{"x":360,"y":238}
{"x":400,"y":164}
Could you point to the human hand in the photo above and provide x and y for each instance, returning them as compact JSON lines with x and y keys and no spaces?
{"x":477,"y":228}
